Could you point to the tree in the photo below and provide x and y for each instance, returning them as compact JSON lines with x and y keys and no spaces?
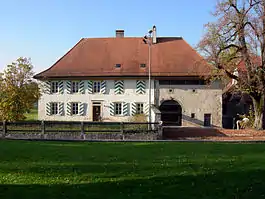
{"x":18,"y":91}
{"x":236,"y":40}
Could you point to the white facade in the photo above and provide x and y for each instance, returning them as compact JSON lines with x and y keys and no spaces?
{"x":195,"y":101}
{"x":104,"y":100}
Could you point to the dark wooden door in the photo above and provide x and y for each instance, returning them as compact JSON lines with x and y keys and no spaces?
{"x":96,"y":113}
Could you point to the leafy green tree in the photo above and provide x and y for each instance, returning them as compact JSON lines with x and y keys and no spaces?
{"x":18,"y":90}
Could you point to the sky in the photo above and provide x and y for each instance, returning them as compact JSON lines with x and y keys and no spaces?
{"x":44,"y":30}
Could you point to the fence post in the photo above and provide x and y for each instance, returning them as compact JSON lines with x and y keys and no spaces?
{"x":4,"y":128}
{"x":122,"y":130}
{"x":82,"y":130}
{"x":42,"y":129}
{"x":160,"y":130}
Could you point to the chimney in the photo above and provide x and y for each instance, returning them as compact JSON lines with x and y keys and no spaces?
{"x":154,"y":35}
{"x":119,"y":33}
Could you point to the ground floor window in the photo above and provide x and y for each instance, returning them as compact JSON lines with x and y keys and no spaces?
{"x":139,"y":108}
{"x":54,"y":108}
{"x":118,"y":108}
{"x":75,"y":108}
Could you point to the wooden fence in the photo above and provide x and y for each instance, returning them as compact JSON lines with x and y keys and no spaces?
{"x":78,"y":130}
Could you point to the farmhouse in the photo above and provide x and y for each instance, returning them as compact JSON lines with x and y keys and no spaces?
{"x":107,"y":79}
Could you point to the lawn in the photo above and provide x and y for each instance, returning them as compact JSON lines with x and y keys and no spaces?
{"x":131,"y":170}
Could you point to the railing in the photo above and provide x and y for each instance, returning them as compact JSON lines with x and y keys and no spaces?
{"x":78,"y":130}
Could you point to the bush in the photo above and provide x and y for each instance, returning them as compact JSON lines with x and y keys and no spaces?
{"x":138,"y":118}
{"x":137,"y":127}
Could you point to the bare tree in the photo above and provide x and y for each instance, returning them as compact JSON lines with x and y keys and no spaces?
{"x":237,"y":38}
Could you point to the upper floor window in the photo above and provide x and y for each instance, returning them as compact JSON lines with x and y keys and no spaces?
{"x":139,"y":108}
{"x":75,"y":108}
{"x":54,"y":87}
{"x":54,"y":108}
{"x":75,"y":86}
{"x":96,"y":86}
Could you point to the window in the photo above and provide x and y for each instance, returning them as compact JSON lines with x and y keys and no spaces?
{"x":139,"y":108}
{"x":192,"y":115}
{"x":54,"y":107}
{"x":74,"y":108}
{"x":118,"y":65}
{"x":75,"y":86}
{"x":118,"y":108}
{"x":207,"y":119}
{"x":55,"y":87}
{"x":96,"y":86}
{"x":142,"y":65}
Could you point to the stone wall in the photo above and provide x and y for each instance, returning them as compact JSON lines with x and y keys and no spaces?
{"x":78,"y":136}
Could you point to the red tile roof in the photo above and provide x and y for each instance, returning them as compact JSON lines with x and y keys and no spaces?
{"x":98,"y":57}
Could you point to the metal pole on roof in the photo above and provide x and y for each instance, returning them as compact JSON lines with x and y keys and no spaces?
{"x":148,"y":40}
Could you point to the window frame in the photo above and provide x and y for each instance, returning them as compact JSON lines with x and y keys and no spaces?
{"x":75,"y":108}
{"x":117,"y":65}
{"x":141,"y":104}
{"x":98,"y":86}
{"x":115,"y":108}
{"x":142,"y":65}
{"x":54,"y":109}
{"x":75,"y":87}
{"x":53,"y":83}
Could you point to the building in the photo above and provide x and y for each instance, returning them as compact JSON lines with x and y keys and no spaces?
{"x":107,"y":79}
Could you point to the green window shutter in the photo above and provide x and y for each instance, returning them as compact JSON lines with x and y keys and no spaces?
{"x":81,"y":108}
{"x":111,"y":109}
{"x":133,"y":108}
{"x":103,"y":87}
{"x":146,"y":109}
{"x":48,"y":109}
{"x":125,"y":108}
{"x":140,"y":86}
{"x":81,"y":88}
{"x":69,"y":87}
{"x":119,"y":87}
{"x":90,"y":86}
{"x":69,"y":108}
{"x":61,"y":87}
{"x":61,"y":108}
{"x":47,"y":87}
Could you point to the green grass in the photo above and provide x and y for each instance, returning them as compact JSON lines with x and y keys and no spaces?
{"x":131,"y":170}
{"x":32,"y":115}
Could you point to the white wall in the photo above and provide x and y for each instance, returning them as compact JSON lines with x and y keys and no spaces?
{"x":205,"y":99}
{"x":129,"y":96}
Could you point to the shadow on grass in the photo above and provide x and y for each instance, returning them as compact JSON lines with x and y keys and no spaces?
{"x":244,"y":184}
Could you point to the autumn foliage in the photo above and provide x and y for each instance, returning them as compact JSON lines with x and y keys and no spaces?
{"x":18,"y":91}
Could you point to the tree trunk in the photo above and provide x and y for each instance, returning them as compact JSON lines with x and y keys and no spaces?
{"x":258,"y":111}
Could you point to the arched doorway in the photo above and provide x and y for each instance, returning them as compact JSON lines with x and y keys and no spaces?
{"x":171,"y":112}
